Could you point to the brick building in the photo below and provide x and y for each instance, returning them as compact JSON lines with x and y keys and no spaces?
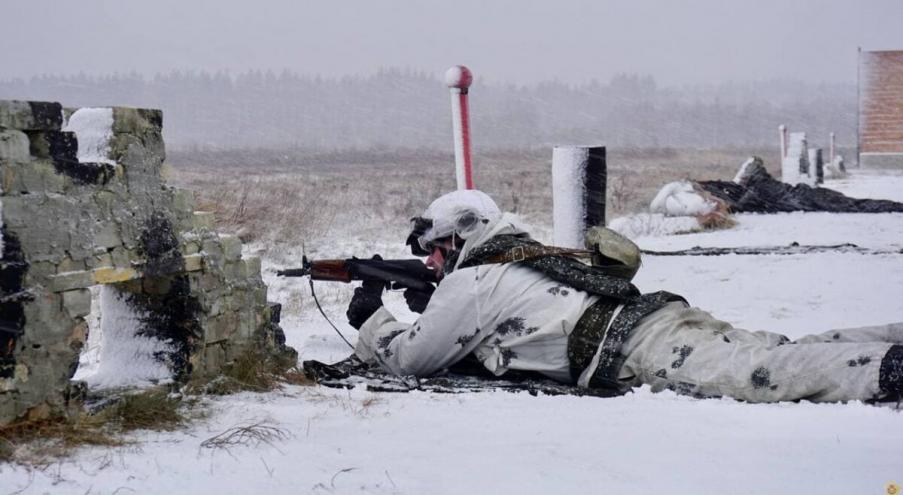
{"x":881,"y":108}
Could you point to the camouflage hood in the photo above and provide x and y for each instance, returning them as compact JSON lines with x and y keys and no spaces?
{"x":507,"y":224}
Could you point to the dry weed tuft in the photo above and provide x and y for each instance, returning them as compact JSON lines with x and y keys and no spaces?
{"x":719,"y":219}
{"x":716,"y":220}
{"x":39,"y":442}
{"x":249,"y":435}
{"x":155,"y":409}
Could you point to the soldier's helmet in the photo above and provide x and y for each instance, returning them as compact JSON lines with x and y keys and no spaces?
{"x":463,"y":213}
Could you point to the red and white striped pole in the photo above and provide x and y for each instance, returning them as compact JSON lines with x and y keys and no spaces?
{"x":458,"y":79}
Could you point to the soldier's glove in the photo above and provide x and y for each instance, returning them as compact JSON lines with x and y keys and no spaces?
{"x":366,"y":300}
{"x":418,"y":299}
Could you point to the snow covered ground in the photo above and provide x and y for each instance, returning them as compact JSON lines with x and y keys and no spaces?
{"x":359,"y":442}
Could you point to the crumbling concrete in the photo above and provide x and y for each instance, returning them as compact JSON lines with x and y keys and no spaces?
{"x":795,"y":164}
{"x":68,"y":225}
{"x":816,"y":166}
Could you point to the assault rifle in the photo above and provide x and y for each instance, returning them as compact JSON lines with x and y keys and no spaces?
{"x":396,"y":274}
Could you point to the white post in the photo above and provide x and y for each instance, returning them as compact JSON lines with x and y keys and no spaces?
{"x":832,"y":147}
{"x":458,"y":80}
{"x":578,"y":193}
{"x":783,"y":130}
{"x":795,"y":166}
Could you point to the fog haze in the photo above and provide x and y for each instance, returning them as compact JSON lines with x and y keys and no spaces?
{"x":520,"y":41}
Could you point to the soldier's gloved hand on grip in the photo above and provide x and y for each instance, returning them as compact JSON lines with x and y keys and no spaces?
{"x":366,"y":300}
{"x":418,"y":299}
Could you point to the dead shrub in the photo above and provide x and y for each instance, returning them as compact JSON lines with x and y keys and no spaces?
{"x":248,"y":435}
{"x":37,"y":442}
{"x":155,"y":409}
{"x":716,"y":220}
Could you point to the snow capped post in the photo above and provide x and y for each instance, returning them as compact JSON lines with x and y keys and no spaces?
{"x":458,"y":79}
{"x":795,"y":166}
{"x":578,"y":192}
{"x":783,"y":130}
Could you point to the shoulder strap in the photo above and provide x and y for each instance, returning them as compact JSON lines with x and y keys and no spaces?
{"x":559,"y":264}
{"x":527,"y":252}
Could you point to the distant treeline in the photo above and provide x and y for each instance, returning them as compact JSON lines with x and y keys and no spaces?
{"x":399,"y":108}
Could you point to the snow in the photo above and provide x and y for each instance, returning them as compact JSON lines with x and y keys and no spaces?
{"x":568,"y":193}
{"x":354,"y":441}
{"x":652,"y":224}
{"x":115,"y":354}
{"x":681,"y":199}
{"x":93,"y":127}
{"x":738,"y":179}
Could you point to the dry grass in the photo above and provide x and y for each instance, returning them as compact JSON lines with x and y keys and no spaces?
{"x":251,"y":371}
{"x":40,"y":442}
{"x":152,"y":410}
{"x":248,"y":435}
{"x":287,"y":199}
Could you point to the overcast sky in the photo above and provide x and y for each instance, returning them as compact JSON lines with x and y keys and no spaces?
{"x":521,"y":41}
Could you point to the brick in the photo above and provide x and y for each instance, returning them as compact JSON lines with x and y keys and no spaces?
{"x":77,"y":302}
{"x":101,"y":260}
{"x":31,"y":115}
{"x":121,"y":257}
{"x":107,"y":235}
{"x":190,"y":247}
{"x":231,"y":247}
{"x":137,"y":120}
{"x":106,"y":275}
{"x":253,"y":263}
{"x":67,"y":264}
{"x":14,"y":145}
{"x":71,"y":280}
{"x":203,"y":220}
{"x":214,"y":250}
{"x":194,"y":262}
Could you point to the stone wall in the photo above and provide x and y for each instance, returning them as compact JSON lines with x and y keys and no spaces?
{"x":101,"y":215}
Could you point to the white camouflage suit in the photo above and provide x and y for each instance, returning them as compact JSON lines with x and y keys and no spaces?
{"x":512,"y":317}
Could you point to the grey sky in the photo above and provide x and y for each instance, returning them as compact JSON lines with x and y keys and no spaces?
{"x":523,"y":41}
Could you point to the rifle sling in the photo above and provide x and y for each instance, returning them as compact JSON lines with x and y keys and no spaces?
{"x":529,"y":251}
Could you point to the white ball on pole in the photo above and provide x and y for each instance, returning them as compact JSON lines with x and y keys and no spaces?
{"x":458,"y":77}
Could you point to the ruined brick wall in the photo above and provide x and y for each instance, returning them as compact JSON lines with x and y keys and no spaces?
{"x":881,"y":108}
{"x":68,"y":225}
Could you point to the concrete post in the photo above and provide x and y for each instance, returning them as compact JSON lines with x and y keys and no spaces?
{"x":816,"y":166}
{"x":795,"y":166}
{"x":579,"y":179}
{"x":832,"y":147}
{"x":782,"y":129}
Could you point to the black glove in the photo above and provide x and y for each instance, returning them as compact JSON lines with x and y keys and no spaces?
{"x":418,"y":299}
{"x":366,"y":300}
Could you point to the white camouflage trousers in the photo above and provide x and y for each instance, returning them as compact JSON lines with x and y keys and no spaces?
{"x":687,"y":350}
